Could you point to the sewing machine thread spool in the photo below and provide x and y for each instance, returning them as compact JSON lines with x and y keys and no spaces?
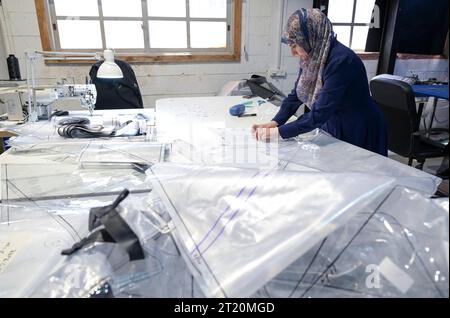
{"x":13,"y":68}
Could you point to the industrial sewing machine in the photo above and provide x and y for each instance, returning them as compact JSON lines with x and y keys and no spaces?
{"x":45,"y":97}
{"x":41,"y":98}
{"x":86,"y":93}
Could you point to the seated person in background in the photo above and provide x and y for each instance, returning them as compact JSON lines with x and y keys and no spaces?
{"x":332,"y":83}
{"x":118,"y":93}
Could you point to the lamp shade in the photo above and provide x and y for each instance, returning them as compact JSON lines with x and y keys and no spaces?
{"x":109,"y":69}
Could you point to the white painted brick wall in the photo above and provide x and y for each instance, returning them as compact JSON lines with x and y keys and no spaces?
{"x":19,"y":5}
{"x":260,"y":8}
{"x":156,"y":80}
{"x":3,"y":56}
{"x":259,"y":37}
{"x":425,"y":68}
{"x":371,"y":68}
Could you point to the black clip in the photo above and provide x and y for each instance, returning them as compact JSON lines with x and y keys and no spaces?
{"x":115,"y":230}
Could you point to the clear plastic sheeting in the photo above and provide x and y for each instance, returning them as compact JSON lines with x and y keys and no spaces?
{"x":260,"y":155}
{"x":104,"y":269}
{"x":443,"y":203}
{"x":238,"y":228}
{"x":99,"y":269}
{"x":31,"y":247}
{"x":95,"y":151}
{"x":47,"y":131}
{"x":21,"y":209}
{"x":32,"y":185}
{"x":314,"y":151}
{"x":32,"y":133}
{"x":110,"y":153}
{"x":162,"y":274}
{"x":395,"y":247}
{"x":67,"y":153}
{"x":398,"y":249}
{"x":325,"y":153}
{"x":310,"y":217}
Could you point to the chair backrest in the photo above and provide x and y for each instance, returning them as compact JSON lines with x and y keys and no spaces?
{"x":119,"y":93}
{"x":396,"y":100}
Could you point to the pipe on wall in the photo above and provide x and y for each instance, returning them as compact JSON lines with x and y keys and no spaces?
{"x":276,"y":70}
{"x":4,"y":30}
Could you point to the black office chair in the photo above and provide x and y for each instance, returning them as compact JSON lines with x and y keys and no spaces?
{"x":396,"y":100}
{"x":119,"y":93}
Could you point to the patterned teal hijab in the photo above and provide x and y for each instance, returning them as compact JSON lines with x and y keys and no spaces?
{"x":310,"y":29}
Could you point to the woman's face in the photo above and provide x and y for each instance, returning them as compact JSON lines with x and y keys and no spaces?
{"x":298,"y":51}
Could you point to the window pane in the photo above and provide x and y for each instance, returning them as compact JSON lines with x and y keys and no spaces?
{"x":167,"y":8}
{"x":363,"y":13}
{"x":208,"y":34}
{"x":124,"y":34}
{"x":343,"y":34}
{"x":129,"y":8}
{"x":76,"y":34}
{"x":208,"y":8}
{"x":79,"y":8}
{"x":340,"y":11}
{"x":360,"y":37}
{"x":168,"y":34}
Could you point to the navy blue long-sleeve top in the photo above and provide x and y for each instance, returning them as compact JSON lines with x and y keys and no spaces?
{"x":344,"y":107}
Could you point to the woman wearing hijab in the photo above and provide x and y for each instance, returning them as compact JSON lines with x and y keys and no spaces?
{"x":333,"y":84}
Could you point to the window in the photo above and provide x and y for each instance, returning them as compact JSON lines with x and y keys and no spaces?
{"x":144,"y":30}
{"x":351,"y":21}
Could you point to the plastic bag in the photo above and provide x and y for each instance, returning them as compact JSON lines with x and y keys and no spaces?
{"x":314,"y":151}
{"x":258,"y":221}
{"x":36,"y":183}
{"x":401,"y":228}
{"x":92,"y":152}
{"x":398,"y":249}
{"x":30,"y":248}
{"x":105,"y":270}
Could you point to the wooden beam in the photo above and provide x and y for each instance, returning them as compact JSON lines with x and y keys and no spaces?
{"x":43,"y":25}
{"x":156,"y":59}
{"x":368,"y":55}
{"x":409,"y":56}
{"x":237,"y":29}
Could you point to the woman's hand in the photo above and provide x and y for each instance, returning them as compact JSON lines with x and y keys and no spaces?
{"x":272,"y":124}
{"x":266,"y":132}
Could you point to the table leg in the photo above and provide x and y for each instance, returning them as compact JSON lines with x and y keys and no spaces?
{"x":432,"y":116}
{"x":419,"y":115}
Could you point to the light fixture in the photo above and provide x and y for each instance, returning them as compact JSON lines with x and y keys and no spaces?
{"x":109,"y":68}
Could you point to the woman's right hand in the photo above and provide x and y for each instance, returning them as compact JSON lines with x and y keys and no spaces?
{"x":272,"y":124}
{"x":267,"y":128}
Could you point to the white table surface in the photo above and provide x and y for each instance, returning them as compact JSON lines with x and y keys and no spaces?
{"x":185,"y":117}
{"x":193,"y":118}
{"x":199,"y":120}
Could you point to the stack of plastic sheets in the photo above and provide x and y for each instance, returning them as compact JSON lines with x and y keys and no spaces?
{"x":322,"y":219}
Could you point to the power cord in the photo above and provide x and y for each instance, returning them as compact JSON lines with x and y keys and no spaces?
{"x":78,"y":127}
{"x":83,"y":131}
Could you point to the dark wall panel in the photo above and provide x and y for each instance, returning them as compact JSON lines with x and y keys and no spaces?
{"x":422,"y":26}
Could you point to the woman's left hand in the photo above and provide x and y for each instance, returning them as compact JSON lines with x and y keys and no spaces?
{"x":266,"y":134}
